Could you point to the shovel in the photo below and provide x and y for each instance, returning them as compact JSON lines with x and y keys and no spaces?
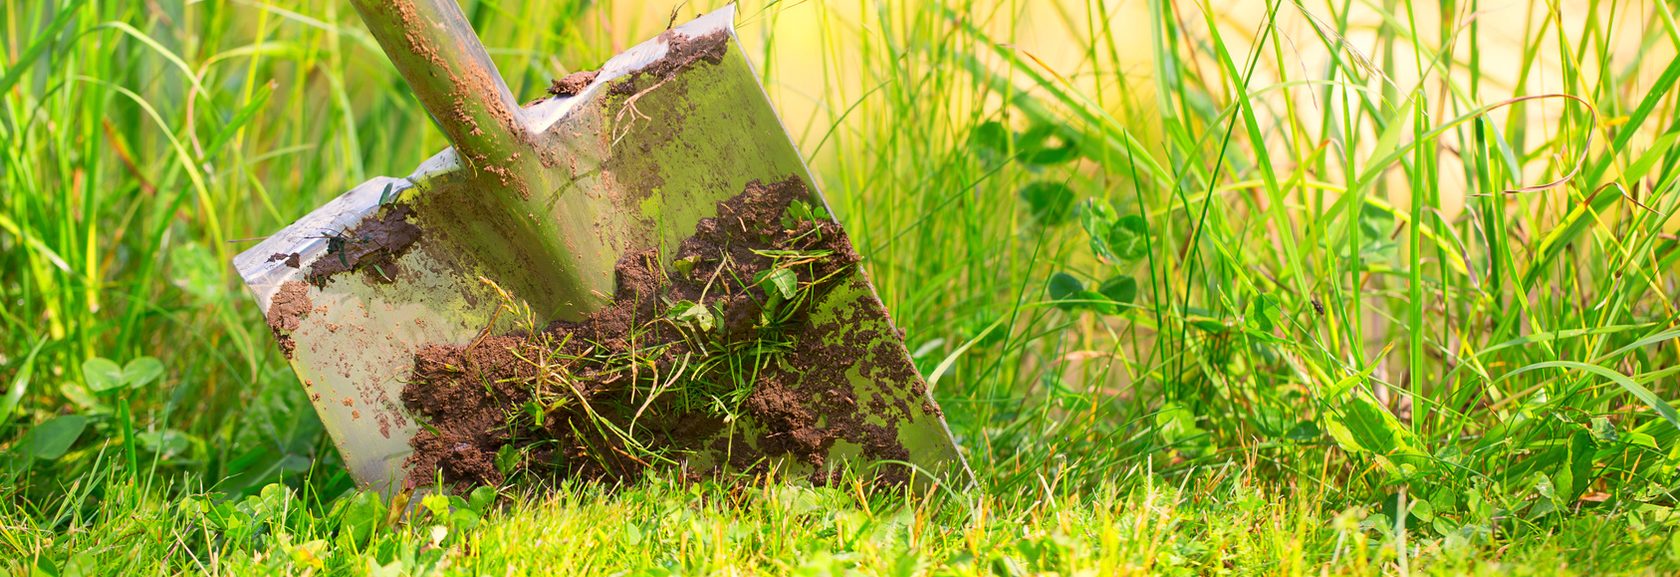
{"x":636,"y":272}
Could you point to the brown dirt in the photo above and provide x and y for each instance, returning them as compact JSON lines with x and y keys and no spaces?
{"x":373,"y":246}
{"x":573,"y":83}
{"x":290,"y":258}
{"x":682,"y":52}
{"x":481,"y":399}
{"x":286,"y":311}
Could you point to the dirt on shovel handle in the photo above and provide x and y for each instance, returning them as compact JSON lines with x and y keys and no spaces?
{"x":578,"y":399}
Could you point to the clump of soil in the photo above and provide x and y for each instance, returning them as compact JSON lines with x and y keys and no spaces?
{"x":290,"y":258}
{"x":372,"y":246}
{"x":573,"y":83}
{"x":653,"y":377}
{"x":286,"y":312}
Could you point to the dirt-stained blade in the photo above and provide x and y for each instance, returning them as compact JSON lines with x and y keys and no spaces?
{"x":685,"y":301}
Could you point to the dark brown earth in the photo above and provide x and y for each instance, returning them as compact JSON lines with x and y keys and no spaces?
{"x":682,"y":51}
{"x":573,"y":83}
{"x":290,"y":258}
{"x":483,"y":400}
{"x":373,"y":246}
{"x":286,"y":311}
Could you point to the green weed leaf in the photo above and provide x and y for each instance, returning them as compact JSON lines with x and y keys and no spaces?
{"x":1575,"y":474}
{"x":1128,"y":238}
{"x":800,"y":211}
{"x":991,"y":137}
{"x":1097,"y":219}
{"x":464,"y":519}
{"x":1604,"y":431}
{"x":1304,"y":432}
{"x":1372,"y":428}
{"x":1121,"y":290}
{"x":167,"y":443}
{"x":43,"y":39}
{"x":20,"y":384}
{"x":50,"y":440}
{"x":481,"y":499}
{"x":685,"y":266}
{"x":508,"y":458}
{"x":1063,"y":289}
{"x":1050,"y":203}
{"x":1048,"y":144}
{"x":437,"y":504}
{"x":102,"y":374}
{"x":142,"y":371}
{"x":1262,"y":314}
{"x":1179,"y":430}
{"x":692,"y":314}
{"x":779,"y":281}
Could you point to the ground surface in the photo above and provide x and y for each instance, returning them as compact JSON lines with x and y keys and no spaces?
{"x":1285,"y":289}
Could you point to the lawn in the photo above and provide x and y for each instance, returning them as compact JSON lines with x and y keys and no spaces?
{"x":1322,"y":287}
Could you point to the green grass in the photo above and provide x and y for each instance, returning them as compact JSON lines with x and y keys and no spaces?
{"x":1125,"y":525}
{"x":1192,"y":298}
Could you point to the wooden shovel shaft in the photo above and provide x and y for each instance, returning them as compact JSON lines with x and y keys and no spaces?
{"x":434,"y":47}
{"x":506,"y":217}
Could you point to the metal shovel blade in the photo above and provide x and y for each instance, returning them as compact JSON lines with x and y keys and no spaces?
{"x":374,"y":295}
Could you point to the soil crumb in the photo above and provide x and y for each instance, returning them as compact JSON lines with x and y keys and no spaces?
{"x":573,"y":83}
{"x":682,"y":351}
{"x":372,"y":246}
{"x":290,"y":258}
{"x":286,"y":311}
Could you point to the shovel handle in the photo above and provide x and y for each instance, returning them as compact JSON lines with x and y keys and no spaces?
{"x":434,"y":47}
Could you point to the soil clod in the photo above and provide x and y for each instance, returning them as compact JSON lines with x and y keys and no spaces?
{"x":286,"y":312}
{"x":290,"y":258}
{"x":710,"y":349}
{"x":372,"y":246}
{"x":572,"y":84}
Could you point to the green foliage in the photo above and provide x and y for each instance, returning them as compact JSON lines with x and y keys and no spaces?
{"x":800,"y":211}
{"x":1118,"y":291}
{"x":49,"y":440}
{"x":1050,"y":203}
{"x":19,"y":385}
{"x":104,"y":375}
{"x":1065,"y":289}
{"x":693,"y":315}
{"x":1281,"y":331}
